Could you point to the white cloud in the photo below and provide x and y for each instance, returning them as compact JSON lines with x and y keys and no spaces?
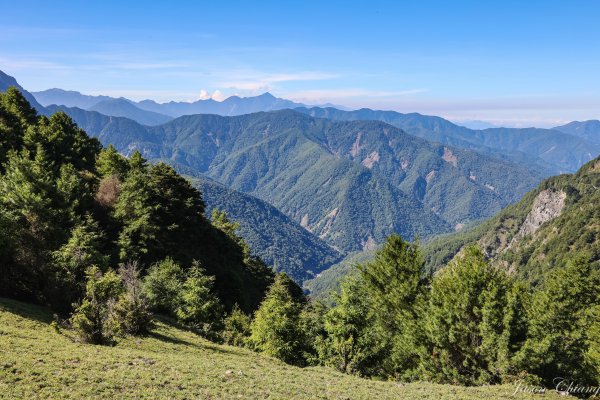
{"x":204,"y":95}
{"x":218,"y":96}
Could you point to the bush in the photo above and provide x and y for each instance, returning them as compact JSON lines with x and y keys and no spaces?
{"x":162,"y":285}
{"x":236,"y":328}
{"x":91,"y":317}
{"x":130,"y":312}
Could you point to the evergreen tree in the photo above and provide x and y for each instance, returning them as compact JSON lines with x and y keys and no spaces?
{"x":355,"y":343}
{"x":110,"y":163}
{"x":394,"y":283}
{"x":564,"y":323}
{"x":70,"y":261}
{"x":473,"y":322}
{"x":276,"y":329}
{"x":162,"y":285}
{"x":198,"y":307}
{"x":91,"y":318}
{"x":16,"y":115}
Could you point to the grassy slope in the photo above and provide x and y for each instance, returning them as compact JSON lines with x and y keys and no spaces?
{"x":37,"y":362}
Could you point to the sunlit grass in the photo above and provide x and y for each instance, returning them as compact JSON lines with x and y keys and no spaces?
{"x":36,"y":361}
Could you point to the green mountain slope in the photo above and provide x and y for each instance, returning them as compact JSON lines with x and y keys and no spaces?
{"x":39,"y":362}
{"x":276,"y":239}
{"x":559,"y":218}
{"x":350,"y":183}
{"x":548,"y":151}
{"x":7,"y":81}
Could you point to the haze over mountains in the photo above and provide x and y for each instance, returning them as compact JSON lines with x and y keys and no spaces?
{"x":328,"y":181}
{"x":149,"y":112}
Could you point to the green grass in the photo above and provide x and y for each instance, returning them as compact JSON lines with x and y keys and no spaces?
{"x":38,"y":362}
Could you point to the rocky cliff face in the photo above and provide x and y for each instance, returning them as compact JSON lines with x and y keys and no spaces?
{"x":546,"y":206}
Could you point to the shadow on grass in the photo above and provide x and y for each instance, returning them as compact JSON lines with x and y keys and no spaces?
{"x":207,"y":345}
{"x":27,"y":310}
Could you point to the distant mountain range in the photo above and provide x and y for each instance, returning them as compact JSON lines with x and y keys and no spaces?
{"x":149,"y":112}
{"x":310,"y":185}
{"x":549,"y":151}
{"x":588,"y":130}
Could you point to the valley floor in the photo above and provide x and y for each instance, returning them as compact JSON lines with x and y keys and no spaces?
{"x":36,"y":361}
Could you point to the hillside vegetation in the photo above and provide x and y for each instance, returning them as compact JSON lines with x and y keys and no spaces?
{"x":559,"y":218}
{"x":38,"y":362}
{"x":549,"y":151}
{"x":349,"y":183}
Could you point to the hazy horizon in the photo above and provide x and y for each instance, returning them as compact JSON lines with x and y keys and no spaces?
{"x":509,"y":64}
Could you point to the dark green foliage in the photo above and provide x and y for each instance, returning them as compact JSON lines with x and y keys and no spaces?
{"x":563,"y":325}
{"x":236,"y":328}
{"x":276,"y":329}
{"x":474,"y":323}
{"x":130,"y":313}
{"x":65,"y":204}
{"x":72,"y":259}
{"x":394,"y":282}
{"x":312,"y":324}
{"x":161,"y":212}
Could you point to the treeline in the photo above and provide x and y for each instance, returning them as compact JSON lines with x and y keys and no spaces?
{"x":470,"y":324}
{"x":109,"y":242}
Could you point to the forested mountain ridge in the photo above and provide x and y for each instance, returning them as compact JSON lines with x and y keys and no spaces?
{"x":559,"y":218}
{"x":548,"y":151}
{"x":320,"y":173}
{"x":588,"y":130}
{"x":275,"y":238}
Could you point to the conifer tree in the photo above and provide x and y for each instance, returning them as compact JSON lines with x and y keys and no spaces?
{"x":394,"y":282}
{"x":276,"y":329}
{"x":355,"y":342}
{"x":472,"y":323}
{"x":564,"y":325}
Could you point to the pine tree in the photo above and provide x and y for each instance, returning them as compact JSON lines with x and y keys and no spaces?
{"x":473,"y":322}
{"x":276,"y":329}
{"x":564,"y":320}
{"x":198,"y":306}
{"x":394,"y":282}
{"x":355,"y":343}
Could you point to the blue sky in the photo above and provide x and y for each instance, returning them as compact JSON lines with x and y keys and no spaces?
{"x":518,"y":63}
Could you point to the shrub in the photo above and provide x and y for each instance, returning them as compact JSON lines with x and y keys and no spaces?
{"x":91,"y":317}
{"x":236,"y":328}
{"x":130,"y":312}
{"x":162,"y":285}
